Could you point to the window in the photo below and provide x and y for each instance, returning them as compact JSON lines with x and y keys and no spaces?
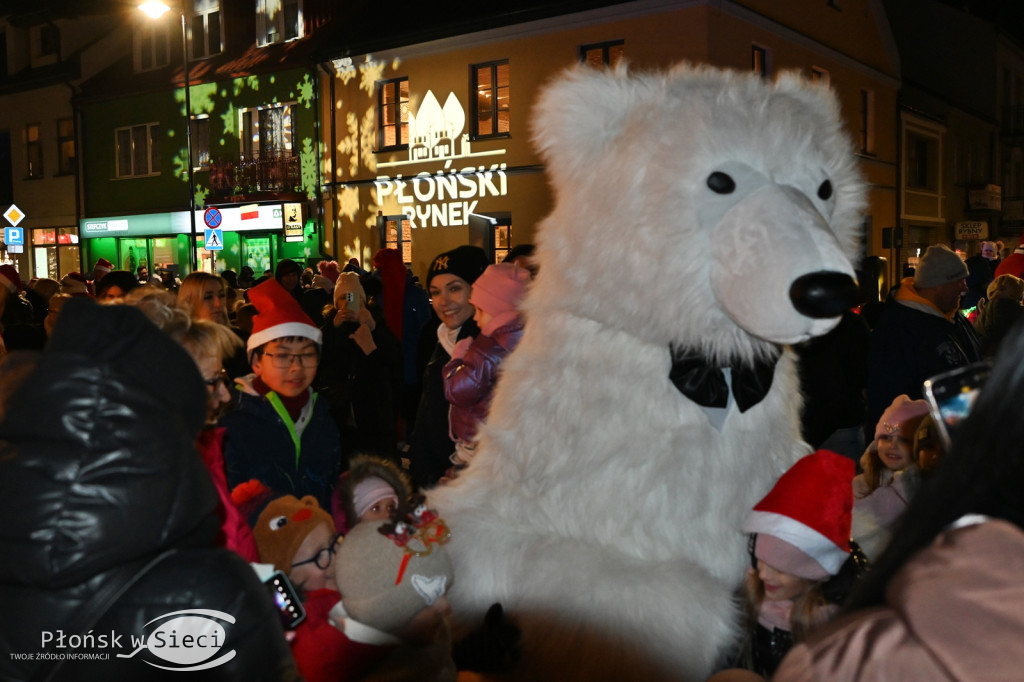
{"x":33,"y":151}
{"x":278,"y":21}
{"x":819,"y":75}
{"x":867,"y":121}
{"x":45,"y":41}
{"x":490,"y":83}
{"x":393,"y":114}
{"x":152,"y":44}
{"x":266,"y":132}
{"x":65,"y":146}
{"x":919,"y":173}
{"x":759,"y":61}
{"x":603,"y":54}
{"x":398,"y":235}
{"x":138,"y":150}
{"x":201,"y":142}
{"x":922,"y":186}
{"x":204,"y":31}
{"x":502,"y":238}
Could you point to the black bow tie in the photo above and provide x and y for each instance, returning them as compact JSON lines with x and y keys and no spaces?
{"x":705,"y":384}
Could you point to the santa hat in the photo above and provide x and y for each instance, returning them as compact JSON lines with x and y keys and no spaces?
{"x":10,"y":278}
{"x":282,"y":527}
{"x":75,"y":283}
{"x":902,"y":417}
{"x":500,"y":288}
{"x":103,"y":265}
{"x":278,"y":315}
{"x":803,"y":524}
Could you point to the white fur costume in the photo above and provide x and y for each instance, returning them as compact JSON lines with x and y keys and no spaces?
{"x":603,"y":507}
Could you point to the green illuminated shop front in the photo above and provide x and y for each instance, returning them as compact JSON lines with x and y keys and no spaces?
{"x":256,"y":235}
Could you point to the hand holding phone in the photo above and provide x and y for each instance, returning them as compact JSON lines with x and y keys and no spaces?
{"x":286,"y":599}
{"x":951,"y":396}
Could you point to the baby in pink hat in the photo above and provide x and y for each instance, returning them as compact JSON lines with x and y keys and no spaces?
{"x":470,"y":375}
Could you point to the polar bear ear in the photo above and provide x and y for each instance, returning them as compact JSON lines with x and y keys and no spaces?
{"x":582,"y":110}
{"x":819,"y":97}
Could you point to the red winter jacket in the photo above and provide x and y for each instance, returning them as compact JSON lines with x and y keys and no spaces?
{"x":237,"y":535}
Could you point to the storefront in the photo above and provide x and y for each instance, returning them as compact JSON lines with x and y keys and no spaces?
{"x":55,"y":251}
{"x":256,"y":235}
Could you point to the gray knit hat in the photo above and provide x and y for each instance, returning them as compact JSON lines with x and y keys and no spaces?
{"x":939,"y":265}
{"x":389,"y":572}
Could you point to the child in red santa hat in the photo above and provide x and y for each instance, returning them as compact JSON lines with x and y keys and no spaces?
{"x":279,"y":432}
{"x":802,"y":560}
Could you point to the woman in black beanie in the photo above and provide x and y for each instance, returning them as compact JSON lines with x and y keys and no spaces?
{"x":449,"y":281}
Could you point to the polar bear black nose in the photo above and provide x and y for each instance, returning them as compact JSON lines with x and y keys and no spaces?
{"x":823,"y":294}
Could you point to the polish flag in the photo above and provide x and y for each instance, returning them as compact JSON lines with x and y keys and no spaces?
{"x":250,"y":212}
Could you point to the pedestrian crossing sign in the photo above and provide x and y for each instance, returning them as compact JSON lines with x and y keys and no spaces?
{"x":214,"y":239}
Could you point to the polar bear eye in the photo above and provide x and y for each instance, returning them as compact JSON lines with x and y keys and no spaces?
{"x":720,"y":183}
{"x":825,"y":190}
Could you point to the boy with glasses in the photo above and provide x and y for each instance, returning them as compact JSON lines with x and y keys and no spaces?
{"x":297,"y":537}
{"x":278,"y":432}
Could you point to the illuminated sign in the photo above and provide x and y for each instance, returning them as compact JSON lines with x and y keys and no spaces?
{"x":263,"y":217}
{"x":446,"y":196}
{"x":293,"y":223}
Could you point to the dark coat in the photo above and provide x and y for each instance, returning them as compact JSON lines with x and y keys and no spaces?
{"x":259,"y":445}
{"x":833,"y":378}
{"x":430,"y":445}
{"x":996,"y":318}
{"x":979,"y":276}
{"x":362,"y":391}
{"x":109,"y":513}
{"x":908,"y":346}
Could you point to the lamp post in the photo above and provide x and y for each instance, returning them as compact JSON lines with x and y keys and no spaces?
{"x":156,"y":9}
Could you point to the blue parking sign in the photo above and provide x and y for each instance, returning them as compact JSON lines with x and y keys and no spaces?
{"x":14,"y":236}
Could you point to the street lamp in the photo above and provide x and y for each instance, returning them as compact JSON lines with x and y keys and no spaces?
{"x":156,"y":9}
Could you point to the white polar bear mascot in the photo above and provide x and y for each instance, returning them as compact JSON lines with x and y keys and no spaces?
{"x":704,"y":219}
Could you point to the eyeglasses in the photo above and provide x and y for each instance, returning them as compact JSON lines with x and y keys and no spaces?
{"x":220,"y":377}
{"x":284,"y":360}
{"x":323,"y":557}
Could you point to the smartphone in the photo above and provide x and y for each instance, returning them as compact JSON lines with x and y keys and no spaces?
{"x":352,"y":301}
{"x":286,"y":599}
{"x":951,"y":396}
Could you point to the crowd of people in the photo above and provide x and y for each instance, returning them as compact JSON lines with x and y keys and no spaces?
{"x":294,"y":421}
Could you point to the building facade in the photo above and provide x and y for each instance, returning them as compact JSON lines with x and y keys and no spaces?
{"x":44,"y":58}
{"x":427,"y":145}
{"x":249,"y":195}
{"x":961,"y":138}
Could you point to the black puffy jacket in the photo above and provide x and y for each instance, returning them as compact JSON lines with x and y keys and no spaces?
{"x":108,"y":523}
